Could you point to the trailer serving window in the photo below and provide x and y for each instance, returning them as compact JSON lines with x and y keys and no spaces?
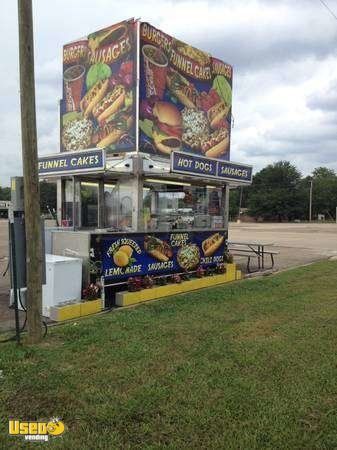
{"x":68,"y":203}
{"x":174,"y":205}
{"x":89,"y":204}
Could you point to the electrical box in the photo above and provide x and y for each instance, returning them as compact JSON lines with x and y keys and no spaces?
{"x":19,"y":230}
{"x":17,"y":194}
{"x":17,"y":233}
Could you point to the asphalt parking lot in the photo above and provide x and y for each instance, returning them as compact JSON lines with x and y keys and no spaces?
{"x":297,"y":244}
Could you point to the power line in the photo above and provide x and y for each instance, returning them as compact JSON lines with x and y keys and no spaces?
{"x":329,"y":9}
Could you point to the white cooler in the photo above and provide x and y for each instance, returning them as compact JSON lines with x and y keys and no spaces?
{"x":63,"y":282}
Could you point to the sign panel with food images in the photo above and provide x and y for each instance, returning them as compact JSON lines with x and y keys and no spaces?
{"x":185,"y":98}
{"x":99,"y":80}
{"x":118,"y":257}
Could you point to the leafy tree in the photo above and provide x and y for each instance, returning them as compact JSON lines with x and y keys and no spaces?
{"x":323,"y":172}
{"x":276,"y":193}
{"x":47,"y":196}
{"x":324,"y":192}
{"x":234,"y":195}
{"x":234,"y":201}
{"x":5,"y":193}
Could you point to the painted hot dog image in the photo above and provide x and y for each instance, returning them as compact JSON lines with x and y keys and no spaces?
{"x":211,"y":244}
{"x":93,"y":96}
{"x":157,"y":248}
{"x":114,"y":129}
{"x":216,"y":143}
{"x":110,"y":104}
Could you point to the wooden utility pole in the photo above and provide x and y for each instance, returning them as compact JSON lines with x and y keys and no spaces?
{"x":30,"y":172}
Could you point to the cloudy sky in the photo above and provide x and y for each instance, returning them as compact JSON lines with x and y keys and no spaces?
{"x":284,"y":55}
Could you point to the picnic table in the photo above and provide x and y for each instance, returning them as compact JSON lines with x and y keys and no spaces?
{"x":253,"y":250}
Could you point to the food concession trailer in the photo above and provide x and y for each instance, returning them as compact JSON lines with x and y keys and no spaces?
{"x":143,"y":175}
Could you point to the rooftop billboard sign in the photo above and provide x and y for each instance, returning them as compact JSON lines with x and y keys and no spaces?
{"x":132,"y":87}
{"x":185,"y":98}
{"x":98,"y":107}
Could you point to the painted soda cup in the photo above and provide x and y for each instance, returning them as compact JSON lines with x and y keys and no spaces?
{"x":73,"y":83}
{"x":155,"y":67}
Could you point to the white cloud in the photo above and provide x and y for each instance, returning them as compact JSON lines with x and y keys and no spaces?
{"x":283,"y":52}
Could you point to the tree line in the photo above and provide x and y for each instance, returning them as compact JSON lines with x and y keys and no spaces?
{"x":47,"y":195}
{"x":280,"y":193}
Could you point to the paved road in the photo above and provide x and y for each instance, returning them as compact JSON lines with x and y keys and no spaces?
{"x":297,"y":243}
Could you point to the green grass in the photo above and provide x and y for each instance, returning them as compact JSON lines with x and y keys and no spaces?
{"x":250,"y":365}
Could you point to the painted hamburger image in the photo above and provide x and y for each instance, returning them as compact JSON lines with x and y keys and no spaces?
{"x":167,"y":127}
